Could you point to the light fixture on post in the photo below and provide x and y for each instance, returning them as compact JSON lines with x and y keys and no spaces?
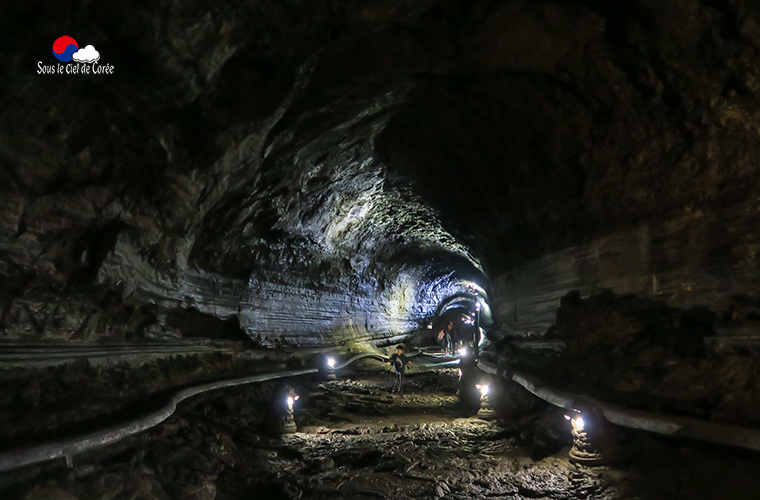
{"x":289,"y":423}
{"x":476,"y":336}
{"x":592,"y":439}
{"x":486,"y":410}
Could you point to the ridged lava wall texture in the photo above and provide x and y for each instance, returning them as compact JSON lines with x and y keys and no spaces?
{"x":319,"y":170}
{"x":697,"y":259}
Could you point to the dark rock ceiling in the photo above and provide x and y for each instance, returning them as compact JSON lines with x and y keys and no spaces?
{"x":330,"y":170}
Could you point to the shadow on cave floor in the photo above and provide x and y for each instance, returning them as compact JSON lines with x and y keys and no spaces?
{"x":357,"y":439}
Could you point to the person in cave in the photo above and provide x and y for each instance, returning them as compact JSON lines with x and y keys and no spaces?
{"x":442,"y":338}
{"x":445,"y":337}
{"x":399,"y":361}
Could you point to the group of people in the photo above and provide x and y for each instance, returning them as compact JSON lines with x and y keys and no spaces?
{"x":450,"y":338}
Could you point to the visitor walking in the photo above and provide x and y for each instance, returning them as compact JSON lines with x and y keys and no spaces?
{"x":398,"y":362}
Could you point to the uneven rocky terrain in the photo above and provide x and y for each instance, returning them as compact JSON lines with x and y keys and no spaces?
{"x":358,"y":439}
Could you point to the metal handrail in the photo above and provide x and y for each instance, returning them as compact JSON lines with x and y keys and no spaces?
{"x":69,"y":447}
{"x":667,"y":425}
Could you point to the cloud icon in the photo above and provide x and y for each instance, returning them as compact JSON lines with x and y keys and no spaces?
{"x":86,"y":55}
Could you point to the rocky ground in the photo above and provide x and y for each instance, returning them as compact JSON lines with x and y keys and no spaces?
{"x":357,"y":439}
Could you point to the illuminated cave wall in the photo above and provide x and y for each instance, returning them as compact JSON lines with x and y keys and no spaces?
{"x":304,"y":182}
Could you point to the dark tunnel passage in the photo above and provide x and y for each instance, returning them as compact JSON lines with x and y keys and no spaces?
{"x":539,"y":208}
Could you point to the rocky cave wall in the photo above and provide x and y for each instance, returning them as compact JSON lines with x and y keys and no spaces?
{"x":312,"y":171}
{"x":221,"y":171}
{"x":668,"y":203}
{"x":700,"y":259}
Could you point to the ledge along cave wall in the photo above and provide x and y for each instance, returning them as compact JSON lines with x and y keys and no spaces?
{"x":313,"y":172}
{"x":697,"y":259}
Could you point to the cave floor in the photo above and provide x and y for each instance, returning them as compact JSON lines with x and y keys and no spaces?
{"x":418,"y":445}
{"x":359,"y":440}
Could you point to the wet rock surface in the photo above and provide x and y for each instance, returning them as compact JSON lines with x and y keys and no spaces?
{"x":358,"y":439}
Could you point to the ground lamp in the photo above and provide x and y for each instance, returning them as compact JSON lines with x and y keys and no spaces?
{"x":327,"y":370}
{"x":289,"y":423}
{"x":592,"y":439}
{"x":486,"y":410}
{"x":476,"y":338}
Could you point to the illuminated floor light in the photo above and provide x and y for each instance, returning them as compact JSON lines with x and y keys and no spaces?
{"x":486,"y":410}
{"x":327,"y":369}
{"x":289,"y":423}
{"x":592,"y":439}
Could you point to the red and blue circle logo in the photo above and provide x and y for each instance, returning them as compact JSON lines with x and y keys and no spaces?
{"x":64,"y":48}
